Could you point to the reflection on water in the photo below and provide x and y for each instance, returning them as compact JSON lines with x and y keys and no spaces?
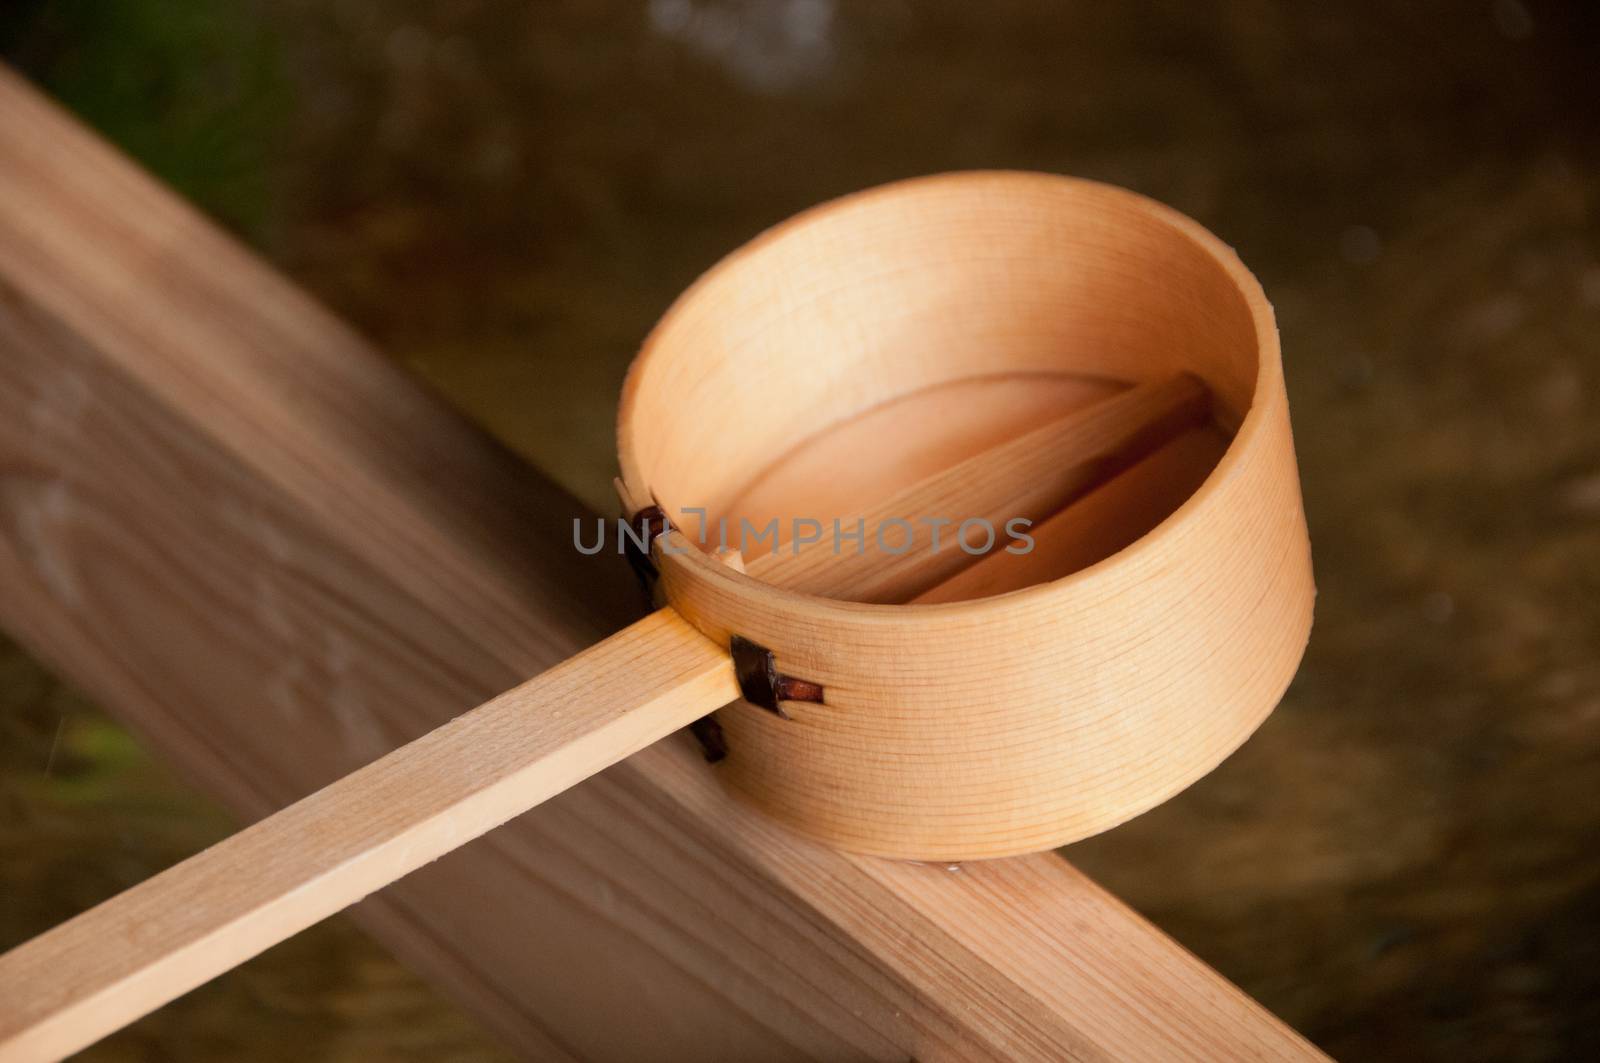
{"x":507,"y":195}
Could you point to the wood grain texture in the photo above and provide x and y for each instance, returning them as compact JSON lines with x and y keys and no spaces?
{"x":1029,"y":477}
{"x":825,"y":471}
{"x":226,"y":518}
{"x":1112,"y":516}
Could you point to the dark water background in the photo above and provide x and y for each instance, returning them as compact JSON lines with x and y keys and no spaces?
{"x":1403,"y":863}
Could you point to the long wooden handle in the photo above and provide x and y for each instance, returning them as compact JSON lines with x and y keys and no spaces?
{"x":73,"y":985}
{"x":78,"y":982}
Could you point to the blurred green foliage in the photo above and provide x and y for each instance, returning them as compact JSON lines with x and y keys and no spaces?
{"x":194,"y":90}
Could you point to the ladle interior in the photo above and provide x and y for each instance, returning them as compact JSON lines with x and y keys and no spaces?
{"x":846,"y":353}
{"x":845,"y":467}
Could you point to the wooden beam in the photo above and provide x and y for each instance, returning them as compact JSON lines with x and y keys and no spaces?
{"x":89,"y":976}
{"x":229,"y":520}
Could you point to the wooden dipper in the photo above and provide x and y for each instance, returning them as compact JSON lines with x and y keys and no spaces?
{"x":897,"y":721}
